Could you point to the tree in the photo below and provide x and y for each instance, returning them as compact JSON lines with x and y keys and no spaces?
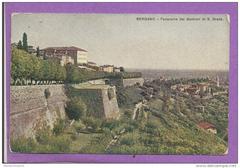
{"x":73,"y":75}
{"x":36,"y":69}
{"x":21,"y":67}
{"x":76,"y":108}
{"x":19,"y":45}
{"x":38,"y":52}
{"x":24,"y":42}
{"x":122,"y":69}
{"x":60,"y":73}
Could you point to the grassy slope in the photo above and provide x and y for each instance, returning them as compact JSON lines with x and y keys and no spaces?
{"x":176,"y":134}
{"x":172,"y":133}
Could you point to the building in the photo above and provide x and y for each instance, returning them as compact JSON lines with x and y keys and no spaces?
{"x":66,"y":60}
{"x":203,"y":86}
{"x":116,"y":69}
{"x":107,"y":68}
{"x":31,"y":50}
{"x":217,"y":81}
{"x":91,"y":63}
{"x":80,"y":56}
{"x":208,"y":127}
{"x":41,"y":53}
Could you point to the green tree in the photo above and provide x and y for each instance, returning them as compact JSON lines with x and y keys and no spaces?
{"x":24,"y":42}
{"x":38,"y":52}
{"x":37,"y":69}
{"x":73,"y":75}
{"x":60,"y":74}
{"x":122,"y":69}
{"x":19,"y":45}
{"x":46,"y":71}
{"x":76,"y":108}
{"x":21,"y":67}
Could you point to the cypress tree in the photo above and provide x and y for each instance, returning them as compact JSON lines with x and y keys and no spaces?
{"x":38,"y":52}
{"x":24,"y":42}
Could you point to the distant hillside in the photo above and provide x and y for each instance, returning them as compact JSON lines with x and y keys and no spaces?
{"x":153,"y":74}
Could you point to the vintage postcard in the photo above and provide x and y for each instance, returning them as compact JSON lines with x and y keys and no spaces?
{"x":125,"y":84}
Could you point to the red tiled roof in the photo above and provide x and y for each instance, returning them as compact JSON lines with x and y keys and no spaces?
{"x":65,"y":48}
{"x":206,"y":125}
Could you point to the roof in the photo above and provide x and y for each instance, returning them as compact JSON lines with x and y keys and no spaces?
{"x":107,"y":66}
{"x":65,"y":48}
{"x":206,"y":125}
{"x":89,"y":62}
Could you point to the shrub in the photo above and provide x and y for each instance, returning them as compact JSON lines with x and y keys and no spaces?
{"x":60,"y":144}
{"x":42,"y":135}
{"x":151,"y":128}
{"x":73,"y":137}
{"x":78,"y":126}
{"x":94,"y":123}
{"x":47,"y":93}
{"x":128,"y":113}
{"x":76,"y":108}
{"x":59,"y":127}
{"x":23,"y":145}
{"x":111,"y":124}
{"x":126,"y":141}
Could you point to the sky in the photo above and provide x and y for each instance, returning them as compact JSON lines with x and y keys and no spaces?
{"x":194,"y":42}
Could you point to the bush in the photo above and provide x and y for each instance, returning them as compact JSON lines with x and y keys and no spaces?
{"x":74,"y":137}
{"x":59,"y":127}
{"x":111,"y":124}
{"x":76,"y":108}
{"x":127,"y":140}
{"x":94,"y":123}
{"x":42,"y":135}
{"x":60,"y":144}
{"x":151,"y":128}
{"x":23,"y":145}
{"x":47,"y":93}
{"x":128,"y":113}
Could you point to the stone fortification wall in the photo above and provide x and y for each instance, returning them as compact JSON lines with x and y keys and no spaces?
{"x":30,"y":108}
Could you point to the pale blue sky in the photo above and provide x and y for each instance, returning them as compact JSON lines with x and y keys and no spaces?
{"x":121,"y":40}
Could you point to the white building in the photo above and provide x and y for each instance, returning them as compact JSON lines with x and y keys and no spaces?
{"x":80,"y":56}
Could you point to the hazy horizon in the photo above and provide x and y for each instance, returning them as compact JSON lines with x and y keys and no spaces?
{"x":122,"y":40}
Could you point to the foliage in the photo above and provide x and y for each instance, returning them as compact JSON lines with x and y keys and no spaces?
{"x":76,"y":108}
{"x":43,"y":134}
{"x":92,"y":122}
{"x":25,"y":42}
{"x":98,"y":143}
{"x":92,"y":99}
{"x":44,"y":142}
{"x":47,"y":93}
{"x":29,"y":67}
{"x":111,"y":124}
{"x":19,"y":45}
{"x":59,"y":127}
{"x":23,"y":145}
{"x":122,"y":69}
{"x":127,"y":140}
{"x":129,"y":96}
{"x":38,"y":52}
